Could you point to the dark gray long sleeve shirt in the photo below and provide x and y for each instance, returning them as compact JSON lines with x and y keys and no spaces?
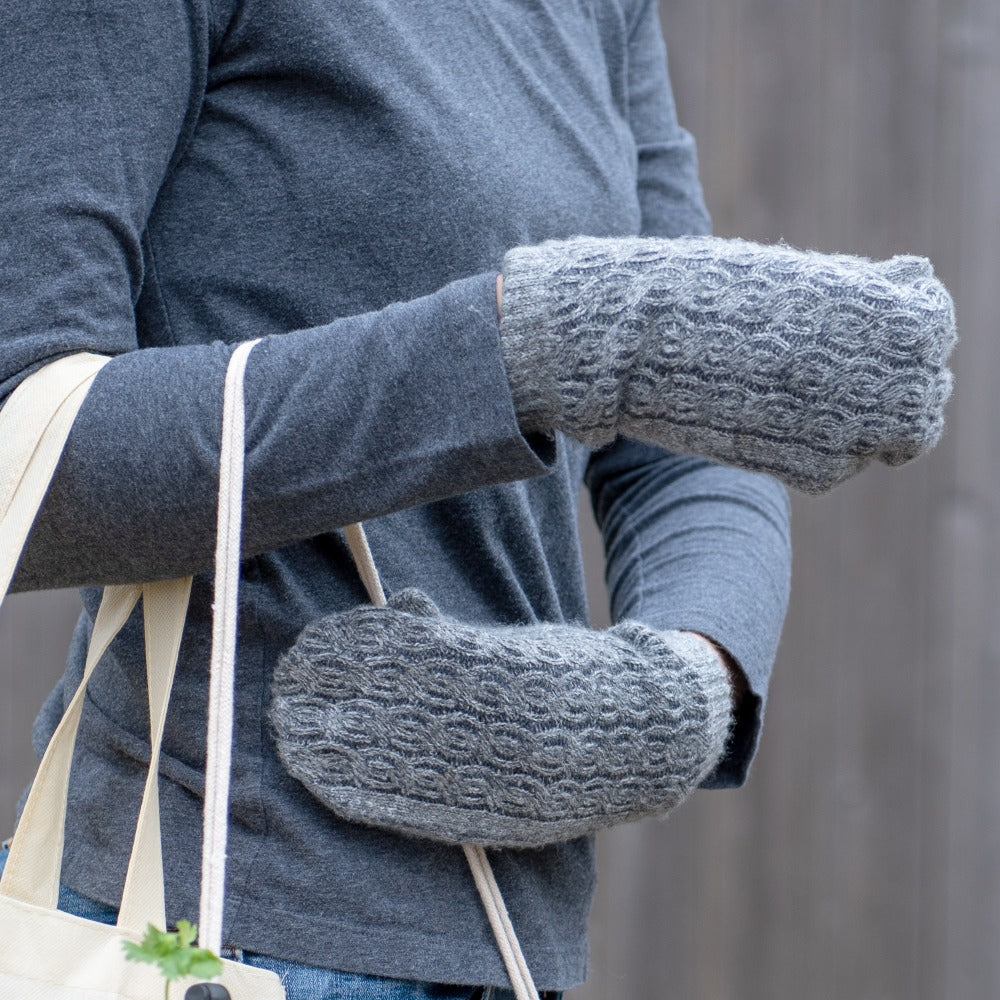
{"x":342,"y":180}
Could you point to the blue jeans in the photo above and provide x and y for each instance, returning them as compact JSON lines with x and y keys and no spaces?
{"x":309,"y":982}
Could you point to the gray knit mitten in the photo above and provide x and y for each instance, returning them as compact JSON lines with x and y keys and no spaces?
{"x":800,"y":364}
{"x":511,"y":736}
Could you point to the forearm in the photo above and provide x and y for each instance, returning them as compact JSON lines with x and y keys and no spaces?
{"x":345,"y":422}
{"x":703,"y":548}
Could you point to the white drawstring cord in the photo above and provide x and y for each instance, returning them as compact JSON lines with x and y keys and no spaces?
{"x":482,"y":871}
{"x":223,"y":661}
{"x":220,"y":706}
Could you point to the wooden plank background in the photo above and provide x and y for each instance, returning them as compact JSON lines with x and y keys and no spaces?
{"x":862,"y":860}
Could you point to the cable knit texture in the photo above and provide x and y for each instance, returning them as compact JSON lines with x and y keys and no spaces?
{"x":800,"y":364}
{"x":504,"y":736}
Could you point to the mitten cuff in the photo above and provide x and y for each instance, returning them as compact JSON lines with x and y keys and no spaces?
{"x":565,"y":338}
{"x":704,"y":684}
{"x":717,"y":689}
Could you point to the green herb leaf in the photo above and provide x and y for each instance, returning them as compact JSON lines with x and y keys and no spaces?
{"x":174,"y":953}
{"x":172,"y":966}
{"x":186,"y":933}
{"x":204,"y":964}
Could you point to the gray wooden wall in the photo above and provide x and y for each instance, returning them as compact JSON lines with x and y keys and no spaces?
{"x":862,"y":860}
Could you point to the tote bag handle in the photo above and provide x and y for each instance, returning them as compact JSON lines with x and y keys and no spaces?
{"x":220,"y":710}
{"x":39,"y":417}
{"x":479,"y":863}
{"x":36,"y":423}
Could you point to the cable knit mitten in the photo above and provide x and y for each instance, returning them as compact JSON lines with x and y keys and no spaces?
{"x":800,"y":364}
{"x":511,"y":736}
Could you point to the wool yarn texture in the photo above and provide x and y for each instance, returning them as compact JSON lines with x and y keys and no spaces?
{"x":508,"y":736}
{"x":797,"y":363}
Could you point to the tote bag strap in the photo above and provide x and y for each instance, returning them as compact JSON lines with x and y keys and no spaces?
{"x":34,"y":865}
{"x":223,"y":661}
{"x":220,"y":708}
{"x":36,"y":422}
{"x":164,"y":608}
{"x":34,"y":425}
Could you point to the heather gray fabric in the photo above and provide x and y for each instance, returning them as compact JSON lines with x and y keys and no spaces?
{"x":340,"y":179}
{"x":800,"y":364}
{"x":516,"y":736}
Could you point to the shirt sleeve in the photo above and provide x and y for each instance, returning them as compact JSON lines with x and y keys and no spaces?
{"x":99,"y":98}
{"x":690,"y":544}
{"x":670,"y":195}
